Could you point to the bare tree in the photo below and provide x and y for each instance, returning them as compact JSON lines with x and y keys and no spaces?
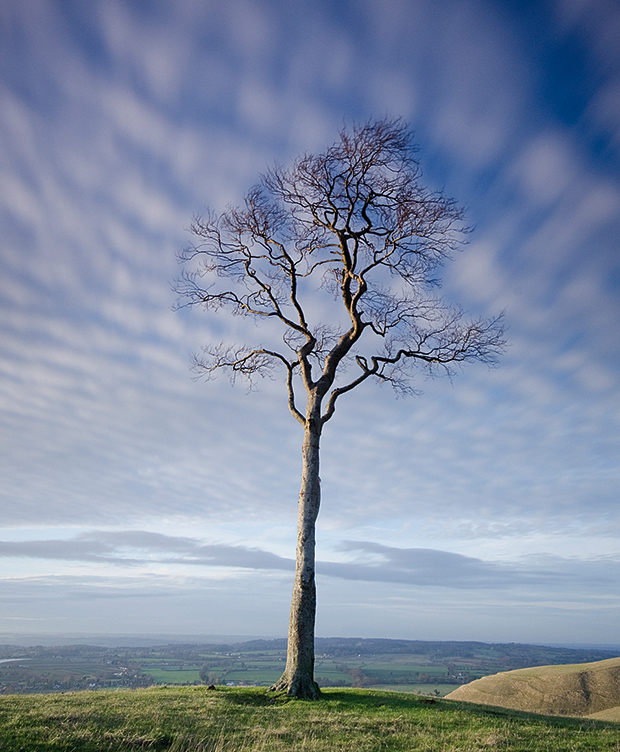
{"x":356,"y":224}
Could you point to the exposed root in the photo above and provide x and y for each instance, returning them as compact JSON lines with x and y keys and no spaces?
{"x":300,"y":687}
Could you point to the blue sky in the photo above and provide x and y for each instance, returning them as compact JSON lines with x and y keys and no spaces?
{"x":135,"y":499}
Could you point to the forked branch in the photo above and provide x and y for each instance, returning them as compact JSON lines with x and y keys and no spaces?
{"x":355,"y":222}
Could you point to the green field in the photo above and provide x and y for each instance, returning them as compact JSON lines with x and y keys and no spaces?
{"x":195,"y":719}
{"x":429,"y":668}
{"x":170,"y":676}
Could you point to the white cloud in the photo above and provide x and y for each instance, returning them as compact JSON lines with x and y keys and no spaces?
{"x":109,"y":151}
{"x":547,"y":168}
{"x":366,"y":561}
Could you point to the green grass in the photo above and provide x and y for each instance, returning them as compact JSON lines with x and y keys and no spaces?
{"x":194,"y":719}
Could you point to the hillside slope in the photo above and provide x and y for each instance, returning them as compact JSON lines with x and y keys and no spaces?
{"x":583,"y":689}
{"x":247,"y":719}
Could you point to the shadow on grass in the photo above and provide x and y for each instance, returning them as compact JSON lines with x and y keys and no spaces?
{"x":368,"y":700}
{"x":344,"y":698}
{"x":351,"y":699}
{"x":372,"y":699}
{"x":251,"y":697}
{"x":560,"y":721}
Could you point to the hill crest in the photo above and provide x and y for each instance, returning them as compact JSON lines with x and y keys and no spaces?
{"x":581,"y":689}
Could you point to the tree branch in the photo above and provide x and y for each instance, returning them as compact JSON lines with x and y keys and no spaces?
{"x":357,"y":222}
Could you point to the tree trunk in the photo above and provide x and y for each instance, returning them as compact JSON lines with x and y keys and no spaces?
{"x":298,"y":676}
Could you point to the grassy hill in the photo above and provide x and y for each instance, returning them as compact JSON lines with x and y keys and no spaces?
{"x":582,"y":689}
{"x":184,"y":719}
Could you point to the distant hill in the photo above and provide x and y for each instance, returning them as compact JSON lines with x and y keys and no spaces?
{"x":582,"y":689}
{"x":502,"y":656}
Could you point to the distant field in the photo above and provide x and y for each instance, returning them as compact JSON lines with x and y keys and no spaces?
{"x":423,"y":667}
{"x":164,"y":676}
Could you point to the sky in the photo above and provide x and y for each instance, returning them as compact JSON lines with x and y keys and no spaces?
{"x":137,"y":499}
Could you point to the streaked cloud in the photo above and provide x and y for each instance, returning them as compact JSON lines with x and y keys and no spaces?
{"x":366,"y":562}
{"x":142,"y":547}
{"x":118,"y":122}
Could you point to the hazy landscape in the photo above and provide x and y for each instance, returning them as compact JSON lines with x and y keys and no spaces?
{"x":427,"y":668}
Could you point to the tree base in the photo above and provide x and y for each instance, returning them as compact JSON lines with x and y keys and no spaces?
{"x":301,"y":687}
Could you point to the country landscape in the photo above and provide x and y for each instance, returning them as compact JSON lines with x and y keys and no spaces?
{"x":427,"y":668}
{"x":376,"y":695}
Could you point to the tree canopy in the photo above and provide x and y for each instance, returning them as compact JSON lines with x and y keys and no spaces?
{"x":357,"y":223}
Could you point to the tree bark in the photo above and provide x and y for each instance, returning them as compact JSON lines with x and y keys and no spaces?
{"x":298,"y":677}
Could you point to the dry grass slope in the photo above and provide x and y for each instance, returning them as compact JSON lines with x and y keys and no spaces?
{"x":583,"y":689}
